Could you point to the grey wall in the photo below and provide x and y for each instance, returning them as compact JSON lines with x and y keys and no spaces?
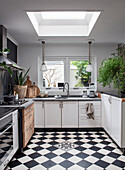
{"x":28,"y":54}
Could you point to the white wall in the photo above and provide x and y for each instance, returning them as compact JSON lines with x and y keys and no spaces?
{"x":29,"y":53}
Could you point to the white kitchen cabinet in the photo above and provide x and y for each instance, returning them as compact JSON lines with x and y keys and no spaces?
{"x":39,"y":114}
{"x":15,"y":131}
{"x":106,"y":112}
{"x":70,"y":114}
{"x":113,"y":118}
{"x":83,"y":119}
{"x":116,"y":110}
{"x":52,"y":114}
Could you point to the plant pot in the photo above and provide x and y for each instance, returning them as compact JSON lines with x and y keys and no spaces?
{"x":6,"y":52}
{"x":21,"y":90}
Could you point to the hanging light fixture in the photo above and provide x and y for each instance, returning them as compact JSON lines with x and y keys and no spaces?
{"x":89,"y":66}
{"x":43,"y":66}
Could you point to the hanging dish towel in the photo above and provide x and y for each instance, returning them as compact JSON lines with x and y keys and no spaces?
{"x":90,"y":110}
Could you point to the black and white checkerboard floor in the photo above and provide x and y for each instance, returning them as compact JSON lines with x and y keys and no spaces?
{"x":82,"y":150}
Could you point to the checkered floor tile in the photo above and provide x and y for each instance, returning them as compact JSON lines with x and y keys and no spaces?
{"x":93,"y":151}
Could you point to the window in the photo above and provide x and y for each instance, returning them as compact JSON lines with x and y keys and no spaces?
{"x":79,"y":77}
{"x":67,"y":69}
{"x":54,"y":74}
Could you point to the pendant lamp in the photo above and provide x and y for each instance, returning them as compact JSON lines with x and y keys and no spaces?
{"x":43,"y":66}
{"x":89,"y":66}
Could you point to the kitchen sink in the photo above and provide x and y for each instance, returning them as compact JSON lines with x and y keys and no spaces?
{"x":60,"y":97}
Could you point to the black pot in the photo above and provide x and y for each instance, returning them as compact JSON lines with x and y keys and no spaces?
{"x":9,"y":99}
{"x":122,"y":93}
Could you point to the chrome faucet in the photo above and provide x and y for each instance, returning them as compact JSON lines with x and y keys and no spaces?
{"x":67,"y":88}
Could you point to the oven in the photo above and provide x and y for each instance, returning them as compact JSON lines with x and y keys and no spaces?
{"x":8,"y":137}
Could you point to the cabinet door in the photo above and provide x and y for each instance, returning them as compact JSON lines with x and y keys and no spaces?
{"x":52,"y":114}
{"x":83,"y":118}
{"x":116,"y":106}
{"x":69,"y":114}
{"x":106,"y":112}
{"x":15,"y":131}
{"x":39,"y":114}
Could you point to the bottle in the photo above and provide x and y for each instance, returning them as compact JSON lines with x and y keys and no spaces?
{"x":16,"y":96}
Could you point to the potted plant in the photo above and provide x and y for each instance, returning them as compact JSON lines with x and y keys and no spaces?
{"x":112,"y":70}
{"x":20,"y":87}
{"x":5,"y":51}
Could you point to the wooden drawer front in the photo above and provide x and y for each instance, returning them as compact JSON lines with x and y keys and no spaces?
{"x":28,"y":124}
{"x":28,"y":109}
{"x":27,"y":120}
{"x":28,"y":134}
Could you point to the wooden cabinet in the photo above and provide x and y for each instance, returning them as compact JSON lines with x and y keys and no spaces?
{"x":69,"y":114}
{"x":28,"y":124}
{"x":39,"y":114}
{"x":52,"y":114}
{"x":83,"y":118}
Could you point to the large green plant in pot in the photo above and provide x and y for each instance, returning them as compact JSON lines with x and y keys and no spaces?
{"x":112,"y":70}
{"x":20,"y":86}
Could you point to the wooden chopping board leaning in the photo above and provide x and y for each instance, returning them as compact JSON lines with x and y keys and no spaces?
{"x":32,"y":90}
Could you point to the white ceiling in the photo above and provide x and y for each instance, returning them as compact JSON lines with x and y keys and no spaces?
{"x":110,"y":27}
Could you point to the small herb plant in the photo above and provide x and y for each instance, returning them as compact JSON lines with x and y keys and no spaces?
{"x":20,"y":78}
{"x":112,"y":70}
{"x":5,"y":50}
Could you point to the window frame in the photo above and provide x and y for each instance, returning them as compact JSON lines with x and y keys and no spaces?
{"x":94,"y":72}
{"x":66,"y":61}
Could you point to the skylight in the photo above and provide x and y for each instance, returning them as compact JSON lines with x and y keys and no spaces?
{"x":63,"y":23}
{"x":63,"y":15}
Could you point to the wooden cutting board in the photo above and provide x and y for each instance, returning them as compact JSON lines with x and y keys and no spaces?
{"x":28,"y":81}
{"x":38,"y":90}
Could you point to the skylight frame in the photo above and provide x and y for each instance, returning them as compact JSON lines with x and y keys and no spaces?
{"x":63,"y":15}
{"x":62,"y":30}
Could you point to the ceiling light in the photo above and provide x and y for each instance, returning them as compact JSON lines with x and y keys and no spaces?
{"x":63,"y":15}
{"x":89,"y":66}
{"x":43,"y":66}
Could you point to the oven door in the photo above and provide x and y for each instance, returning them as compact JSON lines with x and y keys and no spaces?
{"x":6,"y":138}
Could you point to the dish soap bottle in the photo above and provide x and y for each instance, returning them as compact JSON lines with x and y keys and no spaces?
{"x":16,"y":96}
